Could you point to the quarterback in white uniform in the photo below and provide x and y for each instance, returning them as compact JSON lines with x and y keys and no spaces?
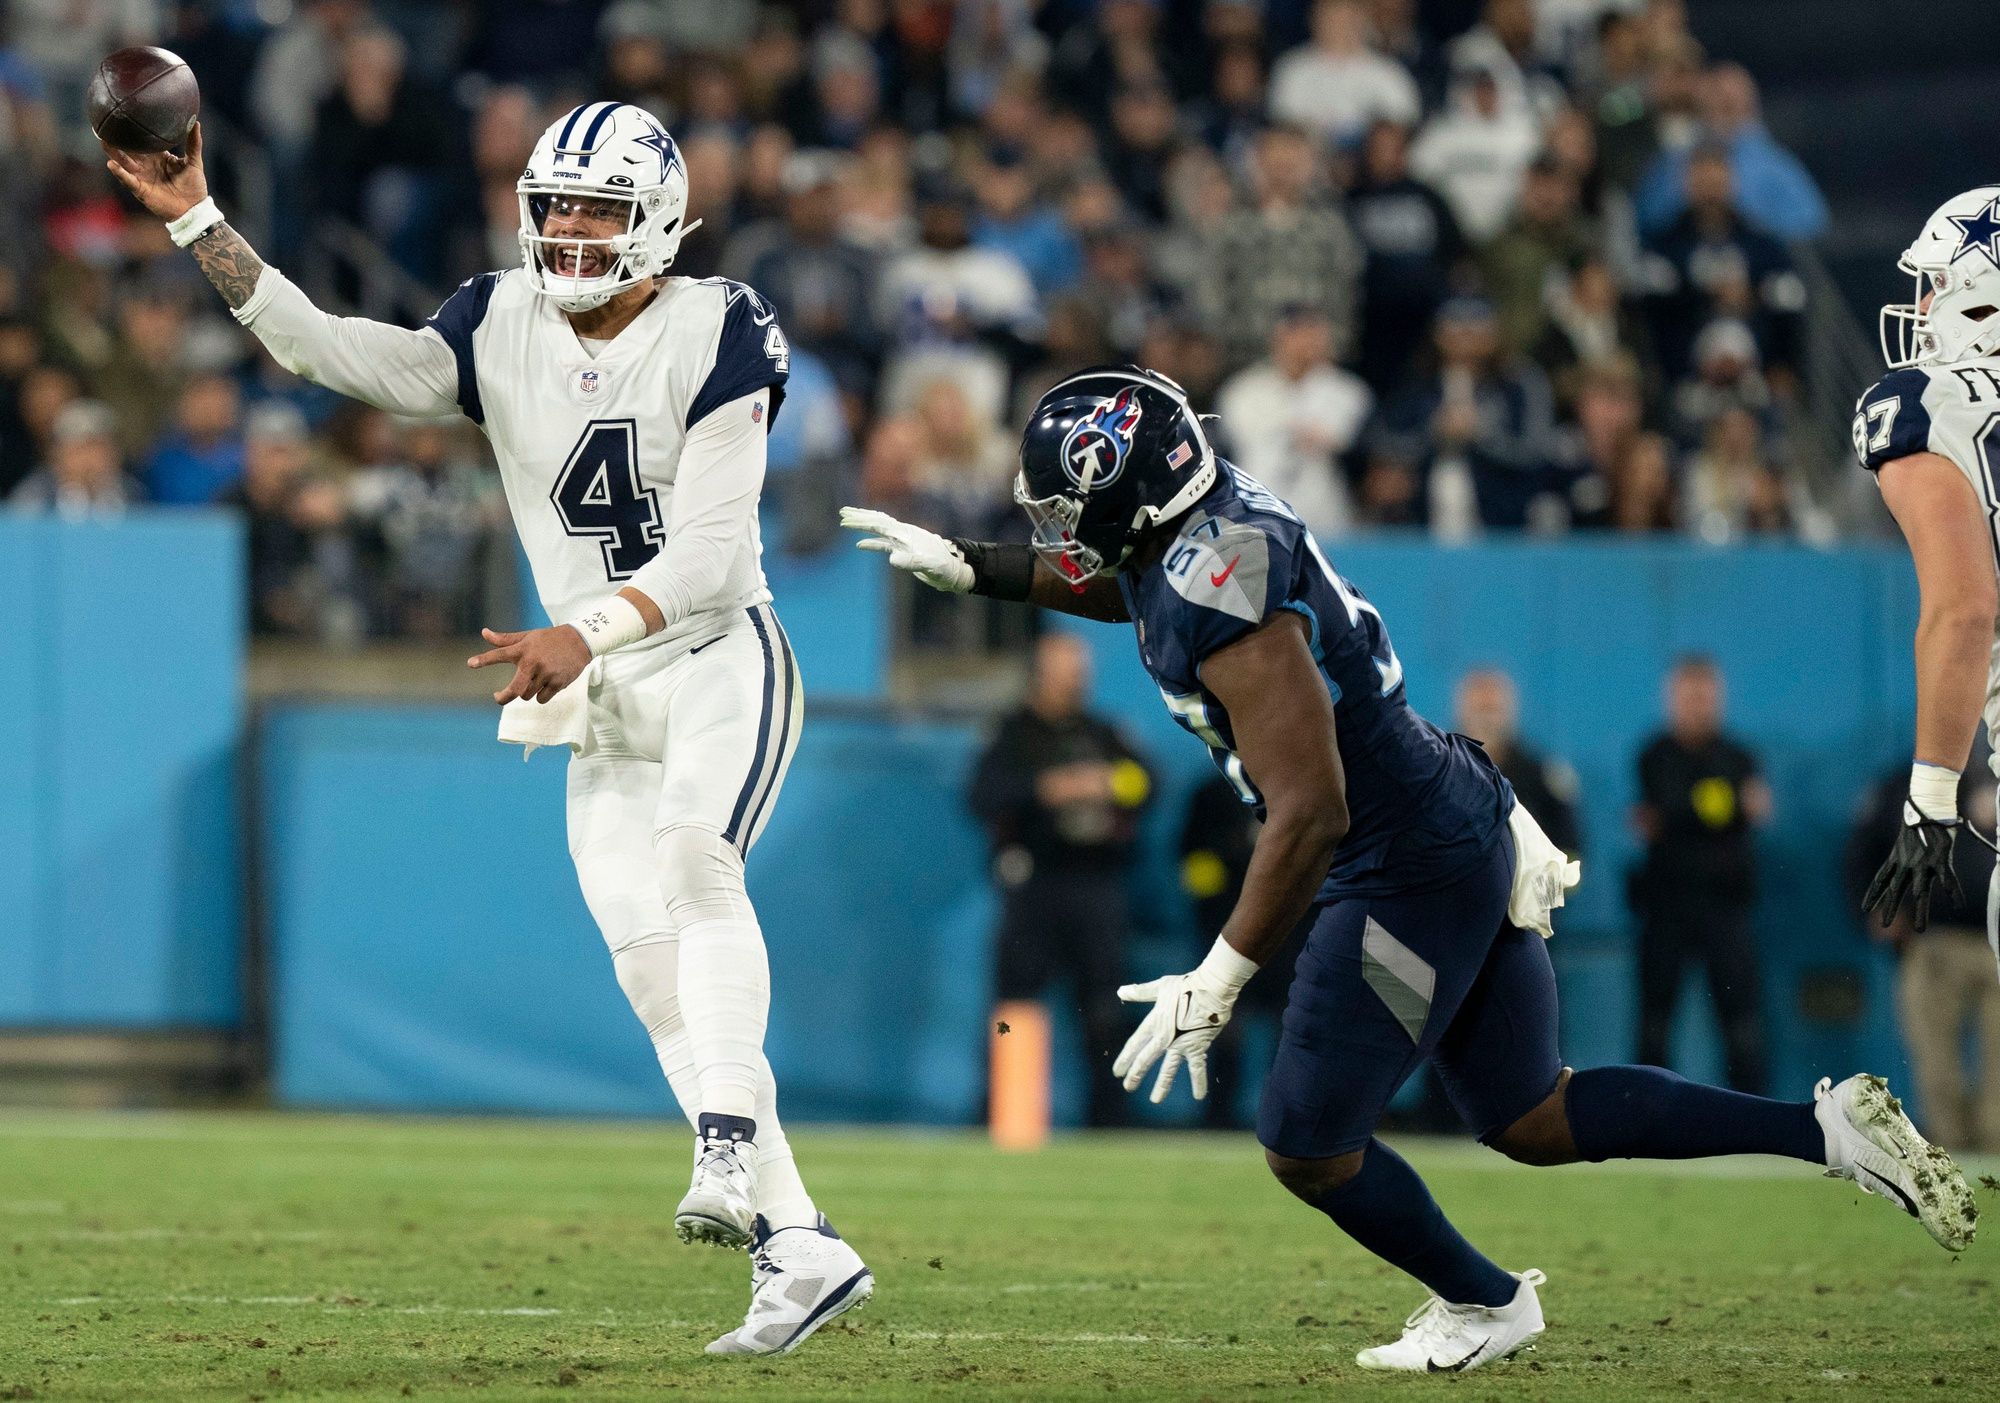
{"x":1930,"y":432}
{"x":628,"y":410}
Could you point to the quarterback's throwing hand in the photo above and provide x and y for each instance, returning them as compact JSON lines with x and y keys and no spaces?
{"x":545,"y":660}
{"x":925,"y":554}
{"x":166,"y":184}
{"x":1188,"y":1011}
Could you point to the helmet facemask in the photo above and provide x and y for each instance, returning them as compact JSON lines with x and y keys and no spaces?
{"x":1055,"y":521}
{"x":544,"y":257}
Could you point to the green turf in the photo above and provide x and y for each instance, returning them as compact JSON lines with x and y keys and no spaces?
{"x":247,"y":1257}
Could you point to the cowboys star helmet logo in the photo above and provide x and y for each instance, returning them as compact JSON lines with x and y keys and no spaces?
{"x":1095,"y":449}
{"x":1979,"y":230}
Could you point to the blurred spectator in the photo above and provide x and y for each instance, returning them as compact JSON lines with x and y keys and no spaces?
{"x":808,"y":468}
{"x":1642,"y":486}
{"x":1144,"y":131}
{"x":824,"y":283}
{"x":952,"y":306}
{"x":1291,"y":419}
{"x":1060,"y":791}
{"x":85,"y":472}
{"x":1097,"y":55}
{"x":991,"y":40}
{"x":1594,"y":448}
{"x":1527,"y":260}
{"x":1013,"y":220}
{"x":20,"y":352}
{"x":1732,"y":490}
{"x":539,"y":40}
{"x":1290,"y":247}
{"x":1711,"y":262}
{"x":1619,"y":101}
{"x":1477,"y":431}
{"x":1475,"y":153}
{"x":712,"y":161}
{"x":504,"y":133}
{"x":1218,"y":833}
{"x":1726,"y":375}
{"x":1773,"y":191}
{"x":382,"y":145}
{"x":1338,"y":85}
{"x":1946,"y":995}
{"x":144,"y":373}
{"x":203,"y":456}
{"x":435,"y":515}
{"x":638,"y":64}
{"x":1229,"y":117}
{"x":1700,"y":800}
{"x":1590,"y":324}
{"x":297,"y":69}
{"x":1487,"y":707}
{"x":1412,"y":240}
{"x":847,"y":90}
{"x":1503,"y":45}
{"x":300,"y":568}
{"x":1117,"y":288}
{"x":964,"y":468}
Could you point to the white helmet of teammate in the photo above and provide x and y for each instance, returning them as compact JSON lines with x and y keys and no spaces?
{"x":1956,"y":260}
{"x":603,"y":151}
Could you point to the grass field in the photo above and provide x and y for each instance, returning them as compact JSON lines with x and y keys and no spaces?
{"x":280,"y":1257}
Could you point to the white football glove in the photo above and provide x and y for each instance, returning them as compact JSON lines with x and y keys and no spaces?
{"x":1189,"y":1010}
{"x":925,"y":554}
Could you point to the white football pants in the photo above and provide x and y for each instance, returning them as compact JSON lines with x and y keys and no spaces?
{"x":689,"y":746}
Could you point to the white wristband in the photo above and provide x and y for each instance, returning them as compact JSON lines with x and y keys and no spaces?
{"x":1225,"y":965}
{"x":612,"y":624}
{"x":1934,"y":792}
{"x":196,"y":222}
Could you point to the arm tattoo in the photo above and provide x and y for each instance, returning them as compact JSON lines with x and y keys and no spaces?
{"x":228,"y":262}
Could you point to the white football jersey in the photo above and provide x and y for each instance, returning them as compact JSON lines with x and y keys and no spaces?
{"x":1954,"y":412}
{"x":589,"y":445}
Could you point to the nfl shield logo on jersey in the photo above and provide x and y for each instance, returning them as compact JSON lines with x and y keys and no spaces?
{"x":588,"y":382}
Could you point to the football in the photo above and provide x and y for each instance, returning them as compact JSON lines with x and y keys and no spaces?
{"x":143,"y":99}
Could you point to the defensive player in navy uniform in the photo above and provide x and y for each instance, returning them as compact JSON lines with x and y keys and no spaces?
{"x":1433,"y":889}
{"x":1930,"y":432}
{"x":628,"y":410}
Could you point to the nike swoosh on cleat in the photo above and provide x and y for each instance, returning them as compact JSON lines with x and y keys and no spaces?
{"x":1889,"y":1190}
{"x":1433,"y":1367}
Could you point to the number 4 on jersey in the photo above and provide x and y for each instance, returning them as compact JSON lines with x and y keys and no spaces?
{"x":599,"y":494}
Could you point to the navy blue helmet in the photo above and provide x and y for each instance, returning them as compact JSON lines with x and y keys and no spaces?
{"x":1109,"y":455}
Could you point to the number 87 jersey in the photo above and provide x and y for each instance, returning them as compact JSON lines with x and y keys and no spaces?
{"x":590,"y":445}
{"x":1950,"y":410}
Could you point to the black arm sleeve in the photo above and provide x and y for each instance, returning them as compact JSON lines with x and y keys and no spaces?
{"x":1001,"y":572}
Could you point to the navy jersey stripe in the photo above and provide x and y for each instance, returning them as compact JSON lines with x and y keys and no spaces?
{"x":748,"y":357}
{"x":745,"y":795}
{"x":455,"y":321}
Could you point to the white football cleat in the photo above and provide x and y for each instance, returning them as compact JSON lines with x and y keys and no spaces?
{"x":1870,"y":1141}
{"x":800,"y":1278}
{"x":721,"y":1203}
{"x":1442,"y":1338}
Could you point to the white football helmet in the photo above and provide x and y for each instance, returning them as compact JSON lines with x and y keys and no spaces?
{"x":1955,"y":259}
{"x":604,"y":151}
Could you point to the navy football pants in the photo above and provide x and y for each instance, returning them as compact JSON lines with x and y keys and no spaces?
{"x":1385,"y":983}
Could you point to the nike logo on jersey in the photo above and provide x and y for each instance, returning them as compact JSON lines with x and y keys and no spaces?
{"x":1432,"y":1366}
{"x":1227,"y":571}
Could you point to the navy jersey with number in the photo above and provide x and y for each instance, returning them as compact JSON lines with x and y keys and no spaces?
{"x":1423,"y":805}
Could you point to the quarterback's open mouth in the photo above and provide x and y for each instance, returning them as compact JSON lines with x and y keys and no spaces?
{"x":587,"y":262}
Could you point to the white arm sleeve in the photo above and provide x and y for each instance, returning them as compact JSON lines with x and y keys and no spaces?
{"x":390,"y":367}
{"x":716,"y":488}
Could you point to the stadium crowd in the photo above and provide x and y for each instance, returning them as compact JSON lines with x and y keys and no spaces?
{"x":1457,"y":266}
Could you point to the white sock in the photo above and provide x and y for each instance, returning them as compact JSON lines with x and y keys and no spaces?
{"x":781,"y":1193}
{"x":647,"y":972}
{"x":724,"y":981}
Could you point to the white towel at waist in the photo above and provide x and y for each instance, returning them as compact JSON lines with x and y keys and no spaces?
{"x":1543,"y":874}
{"x":564,"y":719}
